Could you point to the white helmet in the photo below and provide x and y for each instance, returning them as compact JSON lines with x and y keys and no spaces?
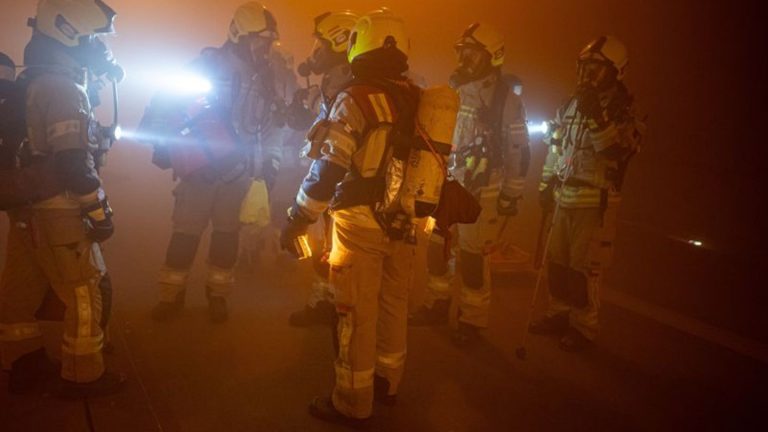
{"x":606,"y":50}
{"x":252,"y":17}
{"x":335,"y":27}
{"x":68,"y":21}
{"x":378,"y":29}
{"x":485,"y":37}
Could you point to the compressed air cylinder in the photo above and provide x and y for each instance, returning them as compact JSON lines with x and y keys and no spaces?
{"x":425,"y":173}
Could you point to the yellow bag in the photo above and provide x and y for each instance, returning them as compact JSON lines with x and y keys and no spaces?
{"x":255,"y":207}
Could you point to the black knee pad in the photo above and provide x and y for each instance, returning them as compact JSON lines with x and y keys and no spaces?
{"x":105,"y":287}
{"x":577,"y":289}
{"x":558,"y":280}
{"x":436,"y":262}
{"x":471,"y":269}
{"x":224,"y":247}
{"x":181,"y":251}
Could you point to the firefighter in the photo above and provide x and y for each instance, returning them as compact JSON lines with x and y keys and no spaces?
{"x":329,"y":60}
{"x":593,"y":137}
{"x":243,"y":89}
{"x":55,"y":242}
{"x":370,"y":265}
{"x":491,"y":160}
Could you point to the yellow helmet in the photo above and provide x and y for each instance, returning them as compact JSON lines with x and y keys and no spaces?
{"x":485,"y":37}
{"x":335,"y":27}
{"x":252,"y":17}
{"x":377,"y":29}
{"x":67,"y":21}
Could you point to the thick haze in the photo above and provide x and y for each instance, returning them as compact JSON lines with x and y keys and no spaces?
{"x":696,"y":69}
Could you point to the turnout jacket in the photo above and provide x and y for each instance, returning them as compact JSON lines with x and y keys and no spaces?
{"x":349,"y":150}
{"x":58,"y":116}
{"x":511,"y":156}
{"x":587,"y":161}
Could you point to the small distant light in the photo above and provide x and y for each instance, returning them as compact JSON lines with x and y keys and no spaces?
{"x":696,"y":243}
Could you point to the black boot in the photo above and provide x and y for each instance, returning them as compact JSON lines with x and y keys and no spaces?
{"x":323,"y":409}
{"x":381,"y":391}
{"x":434,"y":316}
{"x":551,"y":325}
{"x":31,"y":371}
{"x":108,"y":384}
{"x":322,"y":313}
{"x":165,"y":311}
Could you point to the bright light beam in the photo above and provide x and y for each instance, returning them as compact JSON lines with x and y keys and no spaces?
{"x":188,"y":84}
{"x":180,"y":83}
{"x":535,"y":129}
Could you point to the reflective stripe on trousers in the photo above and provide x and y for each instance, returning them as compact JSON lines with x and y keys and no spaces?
{"x":171,"y":282}
{"x":220,"y":281}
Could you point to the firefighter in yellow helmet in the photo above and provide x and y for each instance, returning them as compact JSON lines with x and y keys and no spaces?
{"x":370,"y":263}
{"x":592,"y":139}
{"x":54,"y":242}
{"x":491,"y":159}
{"x":241,"y":139}
{"x":329,"y":60}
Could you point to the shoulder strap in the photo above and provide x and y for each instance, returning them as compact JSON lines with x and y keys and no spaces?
{"x":374,"y":102}
{"x":498,"y":102}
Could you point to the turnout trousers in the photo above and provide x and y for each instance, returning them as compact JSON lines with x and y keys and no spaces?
{"x":580,"y":248}
{"x":370,"y":275}
{"x":48,"y":248}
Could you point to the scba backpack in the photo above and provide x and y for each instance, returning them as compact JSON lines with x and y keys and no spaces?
{"x":419,"y":127}
{"x":23,"y":180}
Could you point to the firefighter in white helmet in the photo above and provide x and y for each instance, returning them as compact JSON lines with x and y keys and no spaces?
{"x":242,"y":87}
{"x":329,"y":60}
{"x":592,"y":139}
{"x":370,"y":263}
{"x":491,"y":159}
{"x":53,"y":243}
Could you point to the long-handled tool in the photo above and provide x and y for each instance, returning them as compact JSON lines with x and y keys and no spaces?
{"x":521,"y":352}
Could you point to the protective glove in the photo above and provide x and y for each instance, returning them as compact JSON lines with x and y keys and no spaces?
{"x":506,"y":205}
{"x":269,"y":169}
{"x":296,"y":227}
{"x":590,"y":107}
{"x":98,"y":215}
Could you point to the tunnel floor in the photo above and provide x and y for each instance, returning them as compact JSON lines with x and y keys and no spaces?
{"x":256,"y":373}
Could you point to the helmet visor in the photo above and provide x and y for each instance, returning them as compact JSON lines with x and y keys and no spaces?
{"x":596,"y":74}
{"x":258,"y":45}
{"x":473,"y":60}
